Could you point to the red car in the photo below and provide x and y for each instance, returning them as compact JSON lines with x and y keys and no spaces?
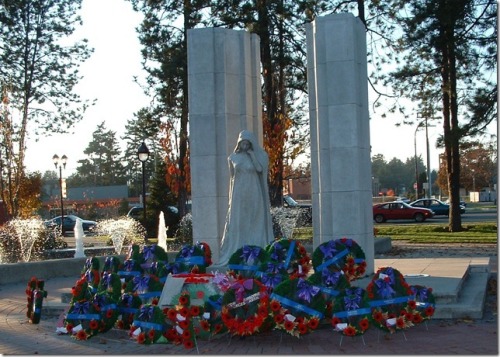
{"x":400,"y":210}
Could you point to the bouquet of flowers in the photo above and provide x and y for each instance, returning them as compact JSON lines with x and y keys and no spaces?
{"x":355,"y":261}
{"x":148,"y":325}
{"x":421,"y":304}
{"x":245,"y":308}
{"x":297,"y":306}
{"x":389,"y":295}
{"x":351,"y":312}
{"x":185,"y":320}
{"x":246,"y":260}
{"x":35,"y":294}
{"x":82,"y":319}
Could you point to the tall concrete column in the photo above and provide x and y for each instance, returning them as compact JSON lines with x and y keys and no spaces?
{"x":340,"y":132}
{"x":224,"y":98}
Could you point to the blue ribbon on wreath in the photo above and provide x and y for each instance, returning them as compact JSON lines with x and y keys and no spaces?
{"x":296,"y":306}
{"x":239,"y":288}
{"x":149,"y":325}
{"x":174,"y":268}
{"x":149,"y":252}
{"x":385,"y":289}
{"x":108,"y":263}
{"x":129,"y":264}
{"x":81,"y":307}
{"x":276,"y":253}
{"x":332,"y":260}
{"x":194,"y":260}
{"x":274,"y":267}
{"x":330,"y":278}
{"x":186,"y":251}
{"x":242,"y":267}
{"x":352,"y":298}
{"x":291,"y":248}
{"x":329,"y":249}
{"x":99,"y":300}
{"x":401,"y":299}
{"x":88,"y":263}
{"x":271,"y":280}
{"x":421,"y":294}
{"x":106,"y":279}
{"x":127,"y":299}
{"x":306,"y":291}
{"x":141,"y":283}
{"x":363,"y":311}
{"x":250,"y":254}
{"x":329,"y":291}
{"x":146,"y":312}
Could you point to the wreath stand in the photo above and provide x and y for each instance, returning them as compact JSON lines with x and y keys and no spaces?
{"x":362,"y":339}
{"x":378,"y":336}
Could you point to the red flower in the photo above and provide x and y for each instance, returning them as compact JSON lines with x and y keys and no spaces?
{"x":184,"y":311}
{"x":154,"y":301}
{"x":364,"y":324}
{"x":183,"y":300}
{"x":172,"y":314}
{"x":417,"y":318}
{"x":200,"y":294}
{"x":120,"y":324}
{"x":195,"y":310}
{"x":218,"y":328}
{"x":93,"y":324}
{"x":81,"y":335}
{"x":313,"y":323}
{"x":279,"y":318}
{"x":377,"y":316}
{"x":151,"y":334}
{"x":429,"y":311}
{"x":141,"y":338}
{"x":400,"y":322}
{"x":186,"y":334}
{"x":262,"y":310}
{"x":350,"y":331}
{"x":188,"y":344}
{"x":289,"y":325}
{"x":184,"y":324}
{"x":302,"y":329}
{"x":205,"y":325}
{"x":335,"y":321}
{"x":275,"y":305}
{"x":69,"y":328}
{"x":109,"y":314}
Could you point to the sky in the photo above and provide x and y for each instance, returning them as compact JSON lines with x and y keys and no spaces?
{"x":108,"y":74}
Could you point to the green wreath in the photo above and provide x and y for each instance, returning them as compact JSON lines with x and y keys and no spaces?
{"x":148,"y":325}
{"x":331,"y":283}
{"x":292,"y":254}
{"x":193,"y":258}
{"x":147,"y":286}
{"x":82,"y":319}
{"x":422,"y":304}
{"x":355,"y":261}
{"x":297,"y":306}
{"x":389,"y":295}
{"x":245,"y":261}
{"x":351,"y":312}
{"x":330,"y":255}
{"x":35,"y":294}
{"x":128,"y":305}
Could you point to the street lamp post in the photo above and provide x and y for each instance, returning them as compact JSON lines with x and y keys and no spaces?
{"x":60,"y":162}
{"x":143,"y":155}
{"x":416,"y":160}
{"x":428,"y":161}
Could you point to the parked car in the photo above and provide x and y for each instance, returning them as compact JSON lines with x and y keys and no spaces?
{"x":400,"y":210}
{"x":70,"y":222}
{"x":403,"y":199}
{"x":439,"y":208}
{"x":305,"y":217}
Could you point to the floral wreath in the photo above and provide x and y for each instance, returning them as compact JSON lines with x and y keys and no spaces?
{"x":186,"y":322}
{"x":297,"y":306}
{"x":355,"y":261}
{"x":245,"y":308}
{"x":193,"y":257}
{"x":389,"y":294}
{"x":211,"y":320}
{"x":293,"y":254}
{"x":208,"y":252}
{"x":105,"y":305}
{"x":351,"y":312}
{"x":330,"y":255}
{"x":148,"y":325}
{"x":35,"y":293}
{"x":82,"y":319}
{"x":91,"y":272}
{"x":111,"y":264}
{"x":129,"y":269}
{"x":245,"y":261}
{"x":128,"y":304}
{"x":422,"y":304}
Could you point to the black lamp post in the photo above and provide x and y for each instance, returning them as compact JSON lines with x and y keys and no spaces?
{"x":143,"y":155}
{"x":60,"y":162}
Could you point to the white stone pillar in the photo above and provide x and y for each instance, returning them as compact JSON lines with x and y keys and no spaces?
{"x":224,"y":98}
{"x":340,"y":132}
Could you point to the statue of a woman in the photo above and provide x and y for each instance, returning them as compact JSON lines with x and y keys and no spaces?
{"x":248,"y":220}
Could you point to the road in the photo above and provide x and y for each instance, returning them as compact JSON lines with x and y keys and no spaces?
{"x":486,"y":216}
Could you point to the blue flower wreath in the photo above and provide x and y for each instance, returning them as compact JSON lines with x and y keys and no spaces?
{"x":246,"y":260}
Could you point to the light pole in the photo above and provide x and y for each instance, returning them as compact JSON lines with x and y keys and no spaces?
{"x":416,"y":161}
{"x":143,"y":155}
{"x":60,"y":162}
{"x":428,"y":161}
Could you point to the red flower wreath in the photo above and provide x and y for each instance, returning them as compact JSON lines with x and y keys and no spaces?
{"x":351,"y":312}
{"x":421,"y":305}
{"x":292,"y":254}
{"x":245,"y":308}
{"x":389,"y":294}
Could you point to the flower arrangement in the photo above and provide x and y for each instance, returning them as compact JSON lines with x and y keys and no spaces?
{"x":35,"y":294}
{"x":422,"y":304}
{"x":330,"y":255}
{"x":245,"y":261}
{"x":128,"y":304}
{"x":245,"y":308}
{"x":152,"y":253}
{"x":193,"y":257}
{"x":211,"y":319}
{"x":351,"y":312}
{"x":389,"y":295}
{"x":148,"y":325}
{"x":292,"y":254}
{"x":297,"y":306}
{"x":82,"y":319}
{"x":207,"y":251}
{"x":111,"y":264}
{"x":147,"y":286}
{"x":331,"y":283}
{"x":355,"y":261}
{"x":182,"y":317}
{"x":105,"y":305}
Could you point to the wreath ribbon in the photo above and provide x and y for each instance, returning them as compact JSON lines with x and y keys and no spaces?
{"x":129,"y":273}
{"x":296,"y":305}
{"x":196,"y":260}
{"x":397,"y":300}
{"x":83,"y":317}
{"x":332,"y":260}
{"x":242,"y":267}
{"x":289,"y":253}
{"x":150,"y":325}
{"x":356,"y":312}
